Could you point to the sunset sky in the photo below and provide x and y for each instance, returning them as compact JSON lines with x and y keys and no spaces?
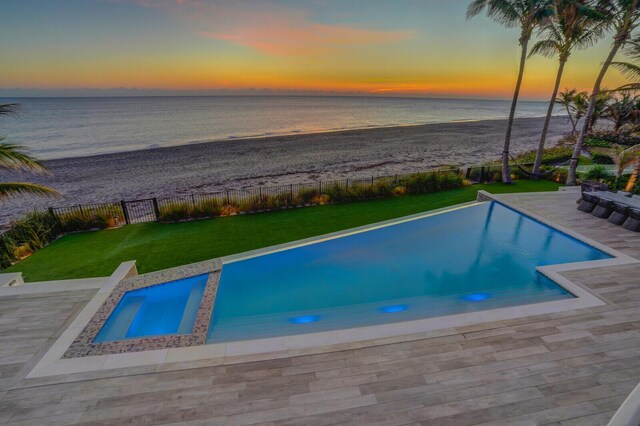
{"x":400,"y":47}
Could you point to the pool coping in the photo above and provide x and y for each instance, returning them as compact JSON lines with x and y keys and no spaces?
{"x":52,"y":363}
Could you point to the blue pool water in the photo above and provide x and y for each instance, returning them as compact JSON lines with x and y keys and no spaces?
{"x":471,"y":259}
{"x":162,"y":309}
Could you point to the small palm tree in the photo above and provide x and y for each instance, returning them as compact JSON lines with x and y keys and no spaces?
{"x":576,"y":25}
{"x":527,"y":15}
{"x":622,"y":112}
{"x":580,"y":105}
{"x":566,"y":99}
{"x":624,"y":17}
{"x":624,"y":157}
{"x":16,"y":158}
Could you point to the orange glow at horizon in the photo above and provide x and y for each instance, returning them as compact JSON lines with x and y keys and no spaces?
{"x":205,"y":45}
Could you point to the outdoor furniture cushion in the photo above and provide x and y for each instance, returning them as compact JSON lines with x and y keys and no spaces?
{"x":604,"y":208}
{"x":588,"y":202}
{"x":620,"y":214}
{"x":633,"y":222}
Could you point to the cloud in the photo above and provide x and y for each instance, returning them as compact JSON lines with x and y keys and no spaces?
{"x":310,"y":38}
{"x":272,"y":28}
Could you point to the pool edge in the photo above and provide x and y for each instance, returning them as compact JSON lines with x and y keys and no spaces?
{"x":336,"y":340}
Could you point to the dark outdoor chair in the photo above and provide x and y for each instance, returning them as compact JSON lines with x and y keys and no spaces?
{"x":620,"y":214}
{"x":591,"y":185}
{"x":588,"y":202}
{"x":633,"y":222}
{"x":604,"y":208}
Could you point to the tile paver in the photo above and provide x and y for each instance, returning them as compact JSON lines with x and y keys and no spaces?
{"x":568,"y":368}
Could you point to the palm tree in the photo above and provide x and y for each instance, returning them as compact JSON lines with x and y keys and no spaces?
{"x":577,"y":25}
{"x":622,"y":112}
{"x":623,"y":16}
{"x":16,"y":158}
{"x":566,"y":99}
{"x":527,"y":15}
{"x":623,"y":158}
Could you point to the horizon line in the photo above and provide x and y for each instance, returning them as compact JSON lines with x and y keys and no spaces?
{"x":240,"y":95}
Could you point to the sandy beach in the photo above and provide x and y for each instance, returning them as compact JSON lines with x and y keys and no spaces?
{"x":207,"y":167}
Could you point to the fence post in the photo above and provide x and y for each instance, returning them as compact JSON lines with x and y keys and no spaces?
{"x":291,"y":194}
{"x":155,"y":208}
{"x":395,"y":180}
{"x":319,"y":187}
{"x":228,"y":199}
{"x":81,"y":210}
{"x":372,"y":181}
{"x":468,"y":172}
{"x":125,"y":212}
{"x":347,"y":185}
{"x":481,"y":174}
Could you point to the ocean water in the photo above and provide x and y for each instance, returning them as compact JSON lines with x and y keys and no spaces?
{"x":69,"y":127}
{"x":467,"y":260}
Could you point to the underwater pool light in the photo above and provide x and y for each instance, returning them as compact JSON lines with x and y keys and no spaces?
{"x":304,"y":319}
{"x":476,"y":297}
{"x":393,"y":308}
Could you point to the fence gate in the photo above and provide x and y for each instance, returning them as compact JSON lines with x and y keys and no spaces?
{"x":140,"y":211}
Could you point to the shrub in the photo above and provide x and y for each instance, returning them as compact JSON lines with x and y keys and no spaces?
{"x":399,"y":190}
{"x":592,"y":141}
{"x":229,"y":210}
{"x":26,"y":235}
{"x":305,"y":195}
{"x":174,"y":211}
{"x":203,"y":209}
{"x":22,"y":251}
{"x":320,"y":199}
{"x":89,"y":218}
{"x":600,"y":158}
{"x":596,"y":172}
{"x":554,"y":155}
{"x":431,"y":182}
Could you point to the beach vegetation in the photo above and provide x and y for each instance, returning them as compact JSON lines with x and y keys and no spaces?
{"x":158,"y":246}
{"x":623,"y":17}
{"x":601,"y":158}
{"x":597,"y":172}
{"x":574,"y":24}
{"x":526,"y":15}
{"x":26,"y":235}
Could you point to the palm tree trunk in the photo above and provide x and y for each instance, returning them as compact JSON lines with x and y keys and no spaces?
{"x":506,"y":173}
{"x":574,"y":124}
{"x":573,"y":166}
{"x":545,"y":128}
{"x":634,"y":176}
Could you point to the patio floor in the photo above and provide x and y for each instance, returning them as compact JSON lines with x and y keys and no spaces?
{"x":572,"y":368}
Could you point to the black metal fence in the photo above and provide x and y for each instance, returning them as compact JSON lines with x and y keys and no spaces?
{"x":101,"y":215}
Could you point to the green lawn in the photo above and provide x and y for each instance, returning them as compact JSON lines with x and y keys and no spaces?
{"x":158,"y":246}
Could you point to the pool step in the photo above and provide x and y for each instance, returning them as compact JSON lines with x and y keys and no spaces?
{"x":191,"y":309}
{"x":121,"y":324}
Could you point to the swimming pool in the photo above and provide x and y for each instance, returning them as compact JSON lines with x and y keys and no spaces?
{"x":159,"y":310}
{"x":471,"y":259}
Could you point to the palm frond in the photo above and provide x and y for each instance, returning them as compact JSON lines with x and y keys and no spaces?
{"x":546,"y":48}
{"x":630,"y":70}
{"x":631,"y":87}
{"x":15,"y":157}
{"x":21,"y":189}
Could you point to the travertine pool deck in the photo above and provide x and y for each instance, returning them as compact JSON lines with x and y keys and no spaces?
{"x":567,"y":368}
